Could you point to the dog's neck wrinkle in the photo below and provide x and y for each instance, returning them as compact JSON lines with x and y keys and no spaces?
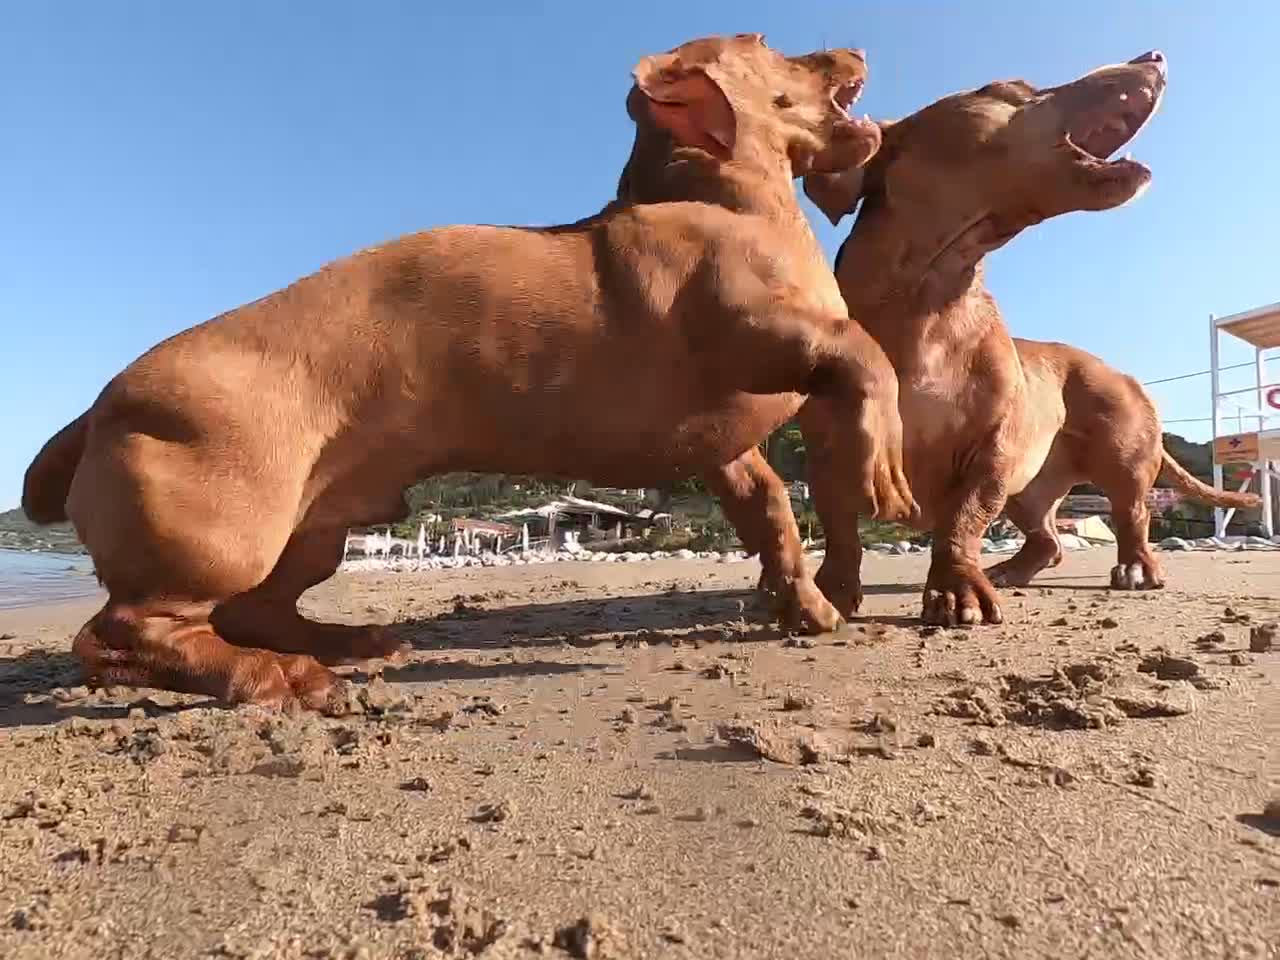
{"x":660,"y":172}
{"x":888,"y":256}
{"x":899,"y":284}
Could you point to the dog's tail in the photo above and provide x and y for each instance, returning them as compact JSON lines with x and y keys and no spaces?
{"x":48,"y":479}
{"x":1202,"y":492}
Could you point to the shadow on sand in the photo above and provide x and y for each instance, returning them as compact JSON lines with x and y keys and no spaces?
{"x":703,"y":616}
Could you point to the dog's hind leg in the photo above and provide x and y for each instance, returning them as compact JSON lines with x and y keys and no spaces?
{"x":755,"y":501}
{"x":267,"y":616}
{"x":1042,"y":548}
{"x":170,"y":644}
{"x":171,"y":535}
{"x":1136,"y":566}
{"x":1034,"y":511}
{"x":776,"y":348}
{"x":839,"y":578}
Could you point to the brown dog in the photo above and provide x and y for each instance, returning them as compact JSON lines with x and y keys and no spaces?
{"x":212,"y":481}
{"x":951,"y":183}
{"x":661,"y":169}
{"x":1110,"y":437}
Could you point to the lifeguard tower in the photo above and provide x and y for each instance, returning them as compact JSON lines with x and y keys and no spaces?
{"x":1248,"y":432}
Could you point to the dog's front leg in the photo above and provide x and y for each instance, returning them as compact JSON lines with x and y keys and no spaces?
{"x":780,"y":349}
{"x":957,"y":591}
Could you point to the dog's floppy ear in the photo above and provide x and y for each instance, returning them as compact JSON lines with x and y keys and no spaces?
{"x":836,"y":194}
{"x":688,"y":103}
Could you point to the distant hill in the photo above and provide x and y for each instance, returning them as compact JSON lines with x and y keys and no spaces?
{"x":19,"y":533}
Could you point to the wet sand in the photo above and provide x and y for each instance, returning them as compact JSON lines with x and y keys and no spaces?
{"x":622,"y":761}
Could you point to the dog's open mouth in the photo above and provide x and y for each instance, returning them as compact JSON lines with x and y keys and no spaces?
{"x":1098,"y":133}
{"x":844,"y":97}
{"x":847,"y":95}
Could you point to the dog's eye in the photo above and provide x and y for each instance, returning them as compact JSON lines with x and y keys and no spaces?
{"x":782,"y":101}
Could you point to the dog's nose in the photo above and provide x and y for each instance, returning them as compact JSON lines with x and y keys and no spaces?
{"x":1153,"y":56}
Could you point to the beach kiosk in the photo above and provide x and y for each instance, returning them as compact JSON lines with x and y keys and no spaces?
{"x":1246,"y":421}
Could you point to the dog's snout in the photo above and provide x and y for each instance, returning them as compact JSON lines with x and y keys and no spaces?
{"x":1153,"y":56}
{"x":859,"y":54}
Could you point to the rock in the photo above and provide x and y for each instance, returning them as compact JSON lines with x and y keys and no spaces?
{"x":1166,"y":667}
{"x":1271,"y":812}
{"x":463,"y":928}
{"x":482,"y":704}
{"x":379,"y":699}
{"x":925,"y":812}
{"x":1174,"y":544}
{"x":881,"y":724}
{"x":798,"y":701}
{"x":1214,"y":638}
{"x":280,"y":766}
{"x":1208,"y":683}
{"x":771,"y":741}
{"x":804,"y":643}
{"x":493,"y":812}
{"x":982,"y":747}
{"x":1145,"y":776}
{"x":974,"y":703}
{"x":1177,"y":701}
{"x":591,"y":938}
{"x":833,"y":821}
{"x":1263,"y":637}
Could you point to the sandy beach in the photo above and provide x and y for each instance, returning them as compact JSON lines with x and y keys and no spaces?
{"x":616,"y":761}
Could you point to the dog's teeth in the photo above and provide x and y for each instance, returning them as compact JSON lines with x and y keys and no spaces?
{"x":1128,"y":157}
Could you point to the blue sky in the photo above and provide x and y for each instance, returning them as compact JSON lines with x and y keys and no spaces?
{"x":167,"y":163}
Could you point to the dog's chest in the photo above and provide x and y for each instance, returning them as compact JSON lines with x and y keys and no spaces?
{"x":928,"y":398}
{"x":929,"y":414}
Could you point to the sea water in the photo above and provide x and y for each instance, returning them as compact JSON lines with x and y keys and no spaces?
{"x":28,"y":578}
